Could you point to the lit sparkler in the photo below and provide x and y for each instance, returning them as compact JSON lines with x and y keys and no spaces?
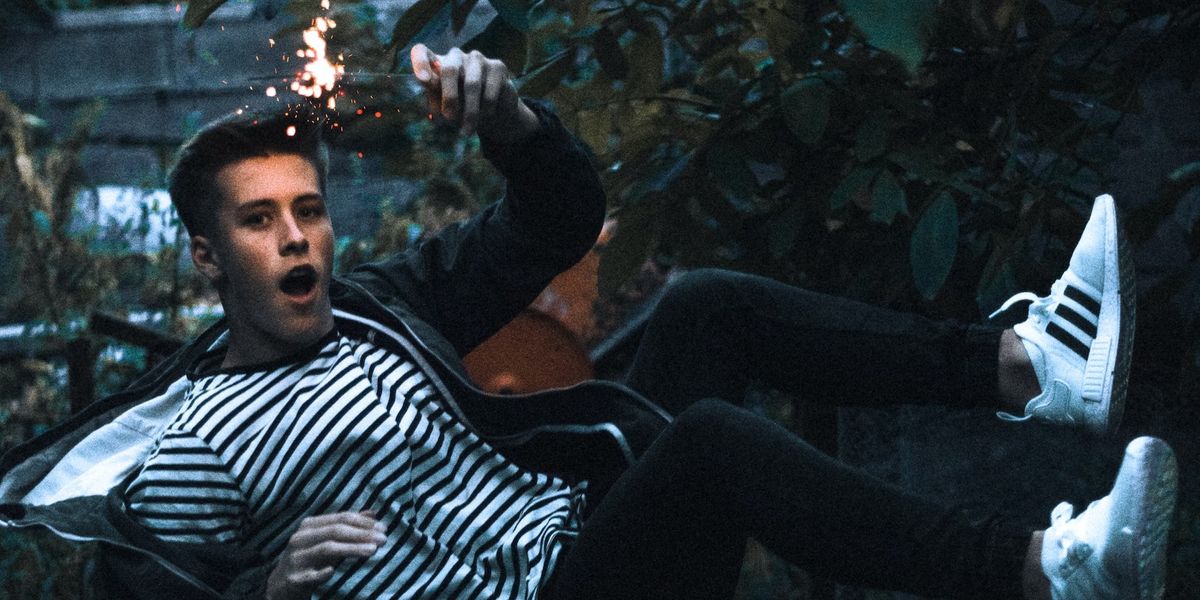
{"x":320,"y":75}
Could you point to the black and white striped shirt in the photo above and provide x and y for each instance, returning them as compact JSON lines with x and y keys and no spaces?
{"x":347,"y":426}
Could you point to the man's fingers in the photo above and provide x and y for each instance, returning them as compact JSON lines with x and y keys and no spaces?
{"x":308,"y":578}
{"x":472,"y":89}
{"x":493,"y":87}
{"x":451,"y":79}
{"x":426,"y":68}
{"x":356,"y":519}
{"x":423,"y":63}
{"x":329,"y":553}
{"x":339,"y":532}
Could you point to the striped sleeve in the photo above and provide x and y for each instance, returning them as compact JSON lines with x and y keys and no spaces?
{"x":185,"y":493}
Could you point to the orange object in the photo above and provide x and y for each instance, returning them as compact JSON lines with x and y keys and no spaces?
{"x":571,"y":297}
{"x":533,"y":352}
{"x":543,"y":347}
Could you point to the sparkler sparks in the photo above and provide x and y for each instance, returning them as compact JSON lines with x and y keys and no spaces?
{"x":321,"y":79}
{"x":320,"y":75}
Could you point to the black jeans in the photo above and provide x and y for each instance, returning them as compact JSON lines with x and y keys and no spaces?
{"x":675,"y":524}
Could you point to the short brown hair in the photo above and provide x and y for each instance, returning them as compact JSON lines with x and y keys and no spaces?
{"x":192,"y":182}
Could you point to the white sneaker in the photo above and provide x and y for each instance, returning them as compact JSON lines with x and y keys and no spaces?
{"x":1080,"y":337}
{"x":1117,"y":548}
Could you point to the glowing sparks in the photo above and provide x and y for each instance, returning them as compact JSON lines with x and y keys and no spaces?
{"x":320,"y":75}
{"x":291,"y":131}
{"x":271,"y":91}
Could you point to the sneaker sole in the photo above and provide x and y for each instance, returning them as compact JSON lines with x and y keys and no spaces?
{"x":1155,"y":486}
{"x":1106,"y":376}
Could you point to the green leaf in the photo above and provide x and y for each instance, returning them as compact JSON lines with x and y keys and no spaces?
{"x":595,"y":127}
{"x":997,"y":283}
{"x":645,"y":63}
{"x":1097,"y":149}
{"x":608,"y":53}
{"x":805,"y":107}
{"x":854,"y":184}
{"x":782,"y":231}
{"x":413,"y":21}
{"x":894,"y":27}
{"x":887,"y":198}
{"x":459,"y":11}
{"x":501,"y":41}
{"x":663,"y":175}
{"x":198,"y":12}
{"x":918,"y":165}
{"x":1187,"y":173}
{"x":623,"y":256}
{"x":934,"y":244}
{"x":729,"y":172}
{"x":514,"y":12}
{"x":541,"y":80}
{"x":872,"y":137}
{"x":207,"y":56}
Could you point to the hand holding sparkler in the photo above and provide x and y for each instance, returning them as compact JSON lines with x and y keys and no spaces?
{"x":474,"y":93}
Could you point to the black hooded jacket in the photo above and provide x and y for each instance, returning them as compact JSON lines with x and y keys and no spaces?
{"x":437,"y":301}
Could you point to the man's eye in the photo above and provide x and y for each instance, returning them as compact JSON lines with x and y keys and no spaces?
{"x":310,"y":212}
{"x":255,"y":220}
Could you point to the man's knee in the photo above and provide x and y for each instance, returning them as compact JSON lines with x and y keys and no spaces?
{"x":697,"y":292}
{"x":705,"y":421}
{"x":697,"y":444}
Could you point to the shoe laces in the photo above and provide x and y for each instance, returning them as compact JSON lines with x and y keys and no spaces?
{"x":1039,"y":305}
{"x":1039,"y":310}
{"x":1030,"y":411}
{"x":1071,"y":551}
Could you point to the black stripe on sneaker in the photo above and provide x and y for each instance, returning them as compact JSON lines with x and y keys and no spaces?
{"x":1067,"y":339}
{"x":1076,"y":319}
{"x":1083,"y":299}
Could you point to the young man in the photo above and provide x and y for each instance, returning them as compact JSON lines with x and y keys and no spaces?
{"x":323,"y":439}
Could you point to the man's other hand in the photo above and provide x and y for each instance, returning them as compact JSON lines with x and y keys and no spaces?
{"x":318,"y":545}
{"x":474,"y":93}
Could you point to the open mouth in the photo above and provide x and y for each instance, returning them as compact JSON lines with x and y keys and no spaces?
{"x":299,"y":281}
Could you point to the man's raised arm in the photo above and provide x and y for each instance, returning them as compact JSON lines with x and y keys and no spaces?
{"x":473,"y":277}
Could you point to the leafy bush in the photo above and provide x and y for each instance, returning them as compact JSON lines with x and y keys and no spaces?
{"x":933,"y":155}
{"x":929,"y":155}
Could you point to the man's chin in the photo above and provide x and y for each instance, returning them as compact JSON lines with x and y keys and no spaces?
{"x":304,"y":330}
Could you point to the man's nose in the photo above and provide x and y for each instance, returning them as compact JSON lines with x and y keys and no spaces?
{"x":294,"y":241}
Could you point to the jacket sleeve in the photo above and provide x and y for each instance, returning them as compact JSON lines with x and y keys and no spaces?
{"x":472,"y":277}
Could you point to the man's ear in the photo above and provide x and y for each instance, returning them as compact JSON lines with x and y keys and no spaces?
{"x":204,"y":257}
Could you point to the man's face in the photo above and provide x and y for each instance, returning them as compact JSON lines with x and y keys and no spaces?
{"x":271,"y":256}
